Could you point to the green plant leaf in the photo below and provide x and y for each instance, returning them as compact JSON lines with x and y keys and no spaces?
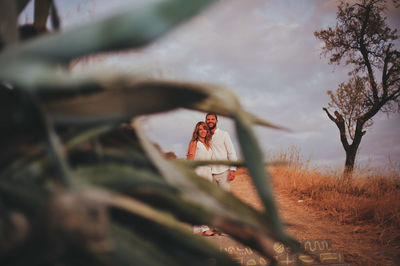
{"x":123,"y":178}
{"x":155,"y":229}
{"x":41,"y":13}
{"x":133,"y":27}
{"x":224,"y":102}
{"x":8,"y":22}
{"x":171,"y":246}
{"x":261,"y":179}
{"x":230,"y":213}
{"x":119,"y":99}
{"x":21,"y":4}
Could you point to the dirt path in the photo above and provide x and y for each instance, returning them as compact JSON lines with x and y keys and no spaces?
{"x":360,"y":243}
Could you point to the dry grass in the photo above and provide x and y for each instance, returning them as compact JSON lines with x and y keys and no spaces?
{"x":365,"y":199}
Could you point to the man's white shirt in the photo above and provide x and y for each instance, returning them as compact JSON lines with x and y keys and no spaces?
{"x":222,"y":149}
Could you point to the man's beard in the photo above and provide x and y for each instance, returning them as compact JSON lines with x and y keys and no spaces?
{"x":211,"y":128}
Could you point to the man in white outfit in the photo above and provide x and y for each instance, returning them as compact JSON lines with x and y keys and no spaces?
{"x":222,"y":149}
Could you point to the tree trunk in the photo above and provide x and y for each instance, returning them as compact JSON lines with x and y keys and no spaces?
{"x":349,"y":164}
{"x":351,"y":151}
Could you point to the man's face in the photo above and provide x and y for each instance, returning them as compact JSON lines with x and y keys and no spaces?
{"x":211,"y":121}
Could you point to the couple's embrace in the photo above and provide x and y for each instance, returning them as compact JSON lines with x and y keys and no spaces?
{"x":211,"y":143}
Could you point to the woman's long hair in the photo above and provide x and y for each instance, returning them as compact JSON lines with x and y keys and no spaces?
{"x":195,"y":136}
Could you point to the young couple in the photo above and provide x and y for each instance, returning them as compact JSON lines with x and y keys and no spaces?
{"x":210,"y":143}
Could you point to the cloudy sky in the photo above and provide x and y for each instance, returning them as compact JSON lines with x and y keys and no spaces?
{"x":264,"y":51}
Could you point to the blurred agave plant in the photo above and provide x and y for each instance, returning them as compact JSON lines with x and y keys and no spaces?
{"x":79,"y":187}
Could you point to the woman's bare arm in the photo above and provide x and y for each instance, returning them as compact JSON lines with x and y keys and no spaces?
{"x":191,"y":150}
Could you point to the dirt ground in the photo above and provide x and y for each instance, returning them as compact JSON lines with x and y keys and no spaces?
{"x":360,"y":243}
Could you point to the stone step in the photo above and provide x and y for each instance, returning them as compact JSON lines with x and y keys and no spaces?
{"x":319,"y":252}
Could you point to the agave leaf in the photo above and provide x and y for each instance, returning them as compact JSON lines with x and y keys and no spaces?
{"x":155,"y":230}
{"x":231,"y":214}
{"x":87,"y":134}
{"x":145,"y":185}
{"x":180,"y":247}
{"x":197,"y":96}
{"x":29,"y":198}
{"x":224,"y":102}
{"x":118,"y":98}
{"x":124,"y":100}
{"x":36,"y":158}
{"x":123,"y":178}
{"x":259,"y":121}
{"x":129,"y":157}
{"x":42,"y":8}
{"x":137,"y":181}
{"x":133,"y":27}
{"x":128,"y":204}
{"x":171,"y":174}
{"x":35,"y":154}
{"x":21,"y":4}
{"x":8,"y":23}
{"x":129,"y":249}
{"x":58,"y":156}
{"x":193,"y":188}
{"x":174,"y":232}
{"x":189,"y":211}
{"x":261,"y":179}
{"x":33,"y":166}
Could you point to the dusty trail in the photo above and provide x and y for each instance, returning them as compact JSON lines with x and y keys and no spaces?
{"x":360,"y":243}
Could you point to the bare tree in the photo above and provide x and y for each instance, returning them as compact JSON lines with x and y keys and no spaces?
{"x":363,"y":40}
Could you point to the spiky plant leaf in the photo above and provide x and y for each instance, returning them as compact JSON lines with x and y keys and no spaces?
{"x":130,"y":249}
{"x":156,"y":229}
{"x":254,"y":159}
{"x":8,"y":22}
{"x":113,"y":98}
{"x":225,"y":102}
{"x":119,"y":100}
{"x":231,"y":215}
{"x":133,"y":27}
{"x":21,"y":4}
{"x":178,"y":247}
{"x":42,"y":10}
{"x":249,"y":229}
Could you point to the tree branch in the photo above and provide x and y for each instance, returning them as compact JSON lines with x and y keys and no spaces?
{"x":394,"y":95}
{"x":364,"y":52}
{"x":329,"y":115}
{"x":385,"y":71}
{"x":339,"y":121}
{"x":374,"y":110}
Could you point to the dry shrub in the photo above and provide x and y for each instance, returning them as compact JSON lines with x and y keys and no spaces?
{"x":368,"y":199}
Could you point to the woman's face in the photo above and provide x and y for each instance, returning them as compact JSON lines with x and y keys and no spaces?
{"x":202,"y":131}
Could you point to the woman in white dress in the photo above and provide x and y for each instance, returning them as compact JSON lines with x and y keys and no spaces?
{"x":200,"y":149}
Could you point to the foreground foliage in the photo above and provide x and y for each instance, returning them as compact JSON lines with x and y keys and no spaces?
{"x":77,"y":188}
